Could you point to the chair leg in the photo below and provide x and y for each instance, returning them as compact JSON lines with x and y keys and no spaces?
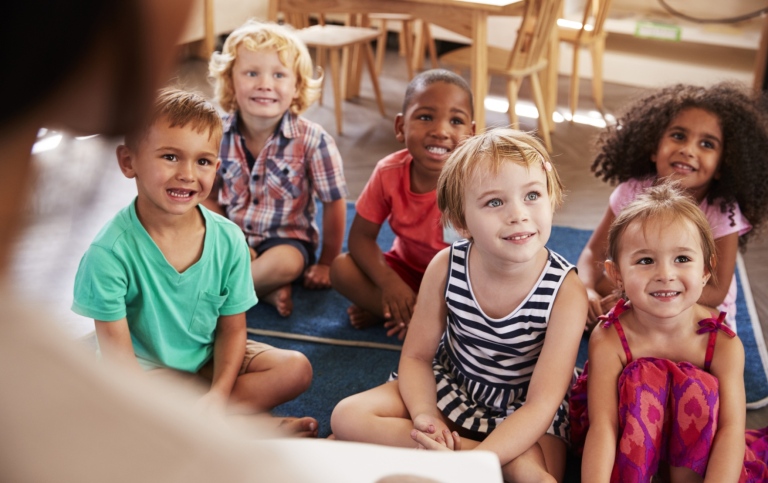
{"x":513,"y":87}
{"x":337,"y":95}
{"x":381,"y":47}
{"x":598,"y":47}
{"x":430,"y":45}
{"x":321,"y":63}
{"x":407,"y":45}
{"x":538,"y":98}
{"x":574,"y":95}
{"x":374,"y":78}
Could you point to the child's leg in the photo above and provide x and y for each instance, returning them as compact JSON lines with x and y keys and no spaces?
{"x":374,"y":416}
{"x":351,"y":282}
{"x":273,"y":270}
{"x":543,"y":462}
{"x":272,"y":377}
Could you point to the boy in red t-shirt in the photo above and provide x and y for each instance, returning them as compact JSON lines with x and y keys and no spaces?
{"x":437,"y":115}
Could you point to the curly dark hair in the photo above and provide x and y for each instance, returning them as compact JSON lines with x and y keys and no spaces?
{"x":625,"y":149}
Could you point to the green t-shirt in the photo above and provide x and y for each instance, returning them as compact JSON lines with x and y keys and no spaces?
{"x":172,"y":316}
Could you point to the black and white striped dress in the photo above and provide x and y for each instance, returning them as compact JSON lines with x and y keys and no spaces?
{"x":483,"y":366}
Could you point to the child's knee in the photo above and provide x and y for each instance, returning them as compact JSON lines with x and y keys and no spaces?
{"x":344,"y":412}
{"x":298,"y":370}
{"x":340,"y":269}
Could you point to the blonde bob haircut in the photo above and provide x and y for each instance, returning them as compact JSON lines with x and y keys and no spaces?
{"x":667,"y":203}
{"x":256,"y":36}
{"x":179,"y":108}
{"x":487,"y":152}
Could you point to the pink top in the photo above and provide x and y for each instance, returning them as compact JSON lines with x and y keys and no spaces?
{"x":414,"y":217}
{"x":722,"y":224}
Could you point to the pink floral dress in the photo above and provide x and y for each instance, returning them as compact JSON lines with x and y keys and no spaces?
{"x":668,"y":411}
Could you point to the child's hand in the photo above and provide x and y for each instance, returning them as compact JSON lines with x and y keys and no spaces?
{"x":428,"y":426}
{"x":317,"y":277}
{"x":446,"y":441}
{"x":397,"y":301}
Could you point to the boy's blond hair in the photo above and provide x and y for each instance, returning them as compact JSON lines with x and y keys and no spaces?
{"x":489,"y":151}
{"x":256,"y":36}
{"x":667,"y":202}
{"x":180,"y":108}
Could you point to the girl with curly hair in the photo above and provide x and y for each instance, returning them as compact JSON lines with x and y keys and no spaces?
{"x":714,"y":141}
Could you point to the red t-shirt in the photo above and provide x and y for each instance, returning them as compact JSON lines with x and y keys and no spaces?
{"x":414,"y":217}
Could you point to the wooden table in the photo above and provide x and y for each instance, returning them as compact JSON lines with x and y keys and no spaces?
{"x":465,"y":17}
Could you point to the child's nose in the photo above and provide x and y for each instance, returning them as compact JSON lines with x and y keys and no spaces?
{"x":185,"y":171}
{"x":516,"y":212}
{"x":665,"y":272}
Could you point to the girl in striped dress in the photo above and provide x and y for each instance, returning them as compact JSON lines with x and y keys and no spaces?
{"x":493,"y":339}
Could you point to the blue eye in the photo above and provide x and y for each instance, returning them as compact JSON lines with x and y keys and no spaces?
{"x":532,"y":196}
{"x":494,"y":203}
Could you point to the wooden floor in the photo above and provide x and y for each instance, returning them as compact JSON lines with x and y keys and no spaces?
{"x":80,"y":187}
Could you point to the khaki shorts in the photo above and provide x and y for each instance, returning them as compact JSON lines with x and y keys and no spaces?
{"x":252,"y":349}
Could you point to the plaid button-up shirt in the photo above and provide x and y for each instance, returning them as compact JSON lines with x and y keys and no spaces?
{"x":276,"y":198}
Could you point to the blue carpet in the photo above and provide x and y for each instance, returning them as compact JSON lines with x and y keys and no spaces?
{"x":319,"y":328}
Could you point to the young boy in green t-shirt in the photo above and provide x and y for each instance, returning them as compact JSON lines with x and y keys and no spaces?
{"x":168,"y":282}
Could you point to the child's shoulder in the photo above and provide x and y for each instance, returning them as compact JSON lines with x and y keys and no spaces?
{"x":116,"y":228}
{"x":397,"y":160}
{"x":218,"y":222}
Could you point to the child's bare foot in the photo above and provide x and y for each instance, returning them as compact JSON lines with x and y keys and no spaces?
{"x":305,"y":427}
{"x":361,"y":318}
{"x":281,"y":300}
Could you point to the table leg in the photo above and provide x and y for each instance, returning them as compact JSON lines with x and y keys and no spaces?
{"x":549,"y":79}
{"x":479,"y":71}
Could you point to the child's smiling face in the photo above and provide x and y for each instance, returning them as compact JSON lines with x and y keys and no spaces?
{"x":174,"y":167}
{"x":264,"y":87}
{"x":661,"y":267}
{"x":690,"y":150}
{"x":508,"y":214}
{"x":438,"y":118}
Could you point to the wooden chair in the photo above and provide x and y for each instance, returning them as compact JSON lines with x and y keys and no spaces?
{"x":411,"y":48}
{"x":589,"y":33}
{"x":528,"y":58}
{"x":334,"y":39}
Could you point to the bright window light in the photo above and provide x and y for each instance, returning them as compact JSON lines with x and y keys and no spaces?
{"x":572,"y":24}
{"x":47,"y":144}
{"x":528,"y":109}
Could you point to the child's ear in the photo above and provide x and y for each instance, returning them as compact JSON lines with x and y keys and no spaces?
{"x":612,"y":271}
{"x":125,"y":161}
{"x":218,"y":163}
{"x":472,"y":128}
{"x":400,"y":128}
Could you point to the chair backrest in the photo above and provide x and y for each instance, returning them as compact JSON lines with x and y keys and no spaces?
{"x":303,"y":20}
{"x":595,"y":13}
{"x":533,"y":38}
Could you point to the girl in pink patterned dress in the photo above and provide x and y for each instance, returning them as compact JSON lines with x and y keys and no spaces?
{"x":666,"y":392}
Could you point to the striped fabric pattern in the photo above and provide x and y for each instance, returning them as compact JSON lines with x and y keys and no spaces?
{"x":483,"y":365}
